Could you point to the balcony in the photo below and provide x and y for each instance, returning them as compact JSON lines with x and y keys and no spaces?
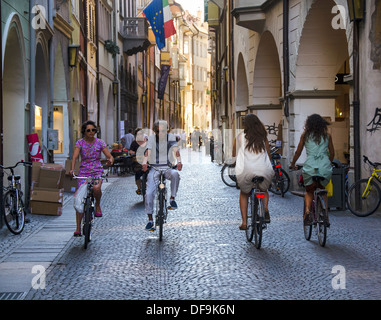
{"x":135,"y":34}
{"x":250,"y":14}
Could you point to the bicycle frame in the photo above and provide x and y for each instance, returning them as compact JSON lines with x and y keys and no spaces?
{"x":161,"y":213}
{"x":374,"y":175}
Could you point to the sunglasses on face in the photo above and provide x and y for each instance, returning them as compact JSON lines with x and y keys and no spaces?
{"x":91,"y":130}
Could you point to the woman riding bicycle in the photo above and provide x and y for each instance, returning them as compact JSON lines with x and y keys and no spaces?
{"x":253,"y":159}
{"x":90,"y":149}
{"x":320,"y":154}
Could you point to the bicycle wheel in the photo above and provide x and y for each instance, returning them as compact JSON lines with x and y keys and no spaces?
{"x":259,"y":213}
{"x":321,"y":214}
{"x":369,"y":198}
{"x":250,"y":219}
{"x":228,"y":175}
{"x":280,"y":183}
{"x":14,"y":214}
{"x":87,"y":221}
{"x":308,"y":228}
{"x":160,"y":216}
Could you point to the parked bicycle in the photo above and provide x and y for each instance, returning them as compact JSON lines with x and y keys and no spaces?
{"x":228,"y":174}
{"x":256,"y":214}
{"x":89,"y":206}
{"x":318,"y":214}
{"x":364,"y":196}
{"x":161,"y":200}
{"x":14,"y":208}
{"x":281,"y":181}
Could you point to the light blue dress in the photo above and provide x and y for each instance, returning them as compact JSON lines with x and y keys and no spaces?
{"x":317,"y":163}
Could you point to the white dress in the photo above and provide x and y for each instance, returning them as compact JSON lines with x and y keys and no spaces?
{"x":249,"y":165}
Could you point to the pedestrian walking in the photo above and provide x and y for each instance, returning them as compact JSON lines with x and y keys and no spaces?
{"x":138,"y":147}
{"x":252,"y":151}
{"x":90,"y":149}
{"x":129,"y":137}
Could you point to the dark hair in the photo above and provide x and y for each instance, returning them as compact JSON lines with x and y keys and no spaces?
{"x":255,"y":133}
{"x":87,"y":123}
{"x":316,"y":128}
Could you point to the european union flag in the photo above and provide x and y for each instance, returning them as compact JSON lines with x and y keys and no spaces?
{"x":155,"y":16}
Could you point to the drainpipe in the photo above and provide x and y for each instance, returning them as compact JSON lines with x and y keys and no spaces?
{"x":356,"y":105}
{"x":286,"y":57}
{"x":1,"y":127}
{"x":116,"y":70}
{"x":97,"y":64}
{"x":32,"y":83}
{"x":51,"y":75}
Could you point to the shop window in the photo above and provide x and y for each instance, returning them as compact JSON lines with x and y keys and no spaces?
{"x":38,"y":122}
{"x":58,"y":125}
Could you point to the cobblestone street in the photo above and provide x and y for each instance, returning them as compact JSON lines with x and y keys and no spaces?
{"x":204,"y":255}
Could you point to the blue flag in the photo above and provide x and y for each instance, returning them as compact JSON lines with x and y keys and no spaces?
{"x":163,"y":80}
{"x":154,"y":14}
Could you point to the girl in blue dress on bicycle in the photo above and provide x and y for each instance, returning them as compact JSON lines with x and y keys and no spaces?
{"x":320,"y":154}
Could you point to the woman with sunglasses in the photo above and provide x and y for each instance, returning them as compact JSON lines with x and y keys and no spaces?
{"x":90,"y":149}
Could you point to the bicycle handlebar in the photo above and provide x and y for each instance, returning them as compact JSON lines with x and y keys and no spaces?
{"x":24,"y":163}
{"x":373,"y":164}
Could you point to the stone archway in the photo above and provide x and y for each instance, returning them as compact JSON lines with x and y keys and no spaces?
{"x":242,"y":92}
{"x":267,"y":85}
{"x":42,"y":95}
{"x":15,"y":120}
{"x":322,"y":57}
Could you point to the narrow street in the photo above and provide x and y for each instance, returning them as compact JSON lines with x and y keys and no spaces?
{"x":205,"y":256}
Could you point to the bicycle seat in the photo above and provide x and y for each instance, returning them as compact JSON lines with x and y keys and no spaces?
{"x":16,"y":178}
{"x":317,"y":179}
{"x":258,"y":179}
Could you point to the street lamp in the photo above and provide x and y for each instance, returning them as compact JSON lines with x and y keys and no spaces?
{"x":115,"y":87}
{"x":73,"y":54}
{"x":356,"y":9}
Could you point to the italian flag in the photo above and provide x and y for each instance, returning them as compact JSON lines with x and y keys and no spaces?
{"x":159,"y":15}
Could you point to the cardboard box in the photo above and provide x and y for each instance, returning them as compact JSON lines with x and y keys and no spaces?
{"x":46,"y":208}
{"x":51,"y":176}
{"x":35,"y":172}
{"x":68,"y":167}
{"x":70,"y":185}
{"x":47,"y":195}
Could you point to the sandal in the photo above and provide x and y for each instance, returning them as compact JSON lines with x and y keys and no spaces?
{"x":307,"y":218}
{"x":98,"y":213}
{"x":77,"y":234}
{"x":243,"y":227}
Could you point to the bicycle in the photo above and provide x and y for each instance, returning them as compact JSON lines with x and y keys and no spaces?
{"x":14,"y":208}
{"x":256,"y":214}
{"x":228,"y":175}
{"x":318,"y":214}
{"x":89,"y":207}
{"x":281,"y":181}
{"x":364,"y":196}
{"x":161,"y":204}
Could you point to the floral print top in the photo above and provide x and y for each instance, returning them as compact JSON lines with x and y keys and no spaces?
{"x":90,"y":158}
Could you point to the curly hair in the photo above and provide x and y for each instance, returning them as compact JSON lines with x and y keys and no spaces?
{"x":87,"y":123}
{"x":316,"y":128}
{"x":255,"y":133}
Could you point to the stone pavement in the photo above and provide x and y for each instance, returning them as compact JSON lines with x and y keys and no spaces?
{"x":204,"y":255}
{"x":40,"y":243}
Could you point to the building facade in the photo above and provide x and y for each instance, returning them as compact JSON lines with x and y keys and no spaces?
{"x":290,"y":59}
